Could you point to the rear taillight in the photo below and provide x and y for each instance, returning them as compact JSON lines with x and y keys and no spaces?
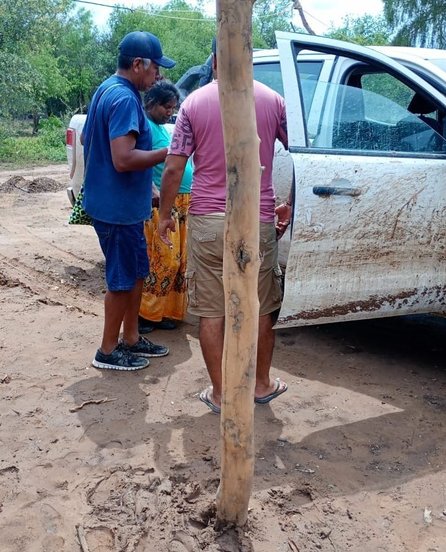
{"x":70,"y":137}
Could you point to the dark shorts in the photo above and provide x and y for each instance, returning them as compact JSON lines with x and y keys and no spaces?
{"x":204,"y":275}
{"x":125,"y":250}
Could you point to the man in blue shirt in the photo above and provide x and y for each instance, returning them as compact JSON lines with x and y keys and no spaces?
{"x":118,"y":195}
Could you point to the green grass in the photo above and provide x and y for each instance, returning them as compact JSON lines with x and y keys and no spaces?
{"x":20,"y":150}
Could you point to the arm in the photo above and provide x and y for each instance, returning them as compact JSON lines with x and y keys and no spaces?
{"x":126,"y":158}
{"x":283,"y":129}
{"x":283,"y":213}
{"x":170,"y":184}
{"x":155,"y":196}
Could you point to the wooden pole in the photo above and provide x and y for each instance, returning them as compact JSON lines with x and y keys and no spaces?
{"x":241,"y":258}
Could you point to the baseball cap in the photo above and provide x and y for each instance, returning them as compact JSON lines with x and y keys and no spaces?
{"x":144,"y":45}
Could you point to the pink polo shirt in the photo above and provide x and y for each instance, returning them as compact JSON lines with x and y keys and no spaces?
{"x":198,"y":131}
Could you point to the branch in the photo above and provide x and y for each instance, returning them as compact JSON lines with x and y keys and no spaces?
{"x":91,"y":401}
{"x":298,"y":6}
{"x":82,"y":539}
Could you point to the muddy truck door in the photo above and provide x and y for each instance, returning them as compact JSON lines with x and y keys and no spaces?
{"x":369,"y":153}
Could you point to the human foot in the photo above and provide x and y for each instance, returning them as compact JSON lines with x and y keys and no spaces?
{"x":208,"y":399}
{"x":279,"y":388}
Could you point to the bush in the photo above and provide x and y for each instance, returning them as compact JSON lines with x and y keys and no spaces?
{"x":48,"y":146}
{"x":52,"y":133}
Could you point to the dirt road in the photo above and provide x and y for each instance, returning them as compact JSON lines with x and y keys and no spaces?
{"x":351,"y":458}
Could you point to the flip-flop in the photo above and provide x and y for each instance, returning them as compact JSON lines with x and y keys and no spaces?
{"x":281,"y":387}
{"x":204,"y":397}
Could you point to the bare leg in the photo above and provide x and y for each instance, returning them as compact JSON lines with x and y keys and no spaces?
{"x":130,"y":331}
{"x":211,"y":340}
{"x":119,"y":307}
{"x":115,"y":306}
{"x":265,"y":347}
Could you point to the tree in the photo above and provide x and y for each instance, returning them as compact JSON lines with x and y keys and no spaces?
{"x":268,"y":17}
{"x":298,"y":7}
{"x":84,"y":60}
{"x":15,"y":88}
{"x":185,"y":33}
{"x":27,"y":24}
{"x":417,"y":22}
{"x":47,"y":81}
{"x":30,"y":73}
{"x":366,"y":30}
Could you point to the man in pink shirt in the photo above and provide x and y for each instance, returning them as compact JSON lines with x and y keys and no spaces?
{"x":198,"y":131}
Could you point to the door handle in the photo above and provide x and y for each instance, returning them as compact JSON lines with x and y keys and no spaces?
{"x":333,"y":190}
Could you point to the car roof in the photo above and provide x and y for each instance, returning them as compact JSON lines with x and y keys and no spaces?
{"x":273,"y":55}
{"x":428,"y":62}
{"x":399,"y":52}
{"x":405,"y":51}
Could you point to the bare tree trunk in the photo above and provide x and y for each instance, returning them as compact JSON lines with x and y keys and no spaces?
{"x":298,"y":6}
{"x":241,"y":258}
{"x":36,"y":121}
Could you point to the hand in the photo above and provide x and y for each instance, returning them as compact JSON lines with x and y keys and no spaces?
{"x":281,"y":228}
{"x":163,"y":153}
{"x":155,"y":197}
{"x":164,"y":225}
{"x":283,"y":213}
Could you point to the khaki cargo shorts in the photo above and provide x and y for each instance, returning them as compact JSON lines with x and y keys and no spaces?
{"x":204,"y":274}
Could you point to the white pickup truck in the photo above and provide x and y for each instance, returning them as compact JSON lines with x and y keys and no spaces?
{"x":367,"y":130}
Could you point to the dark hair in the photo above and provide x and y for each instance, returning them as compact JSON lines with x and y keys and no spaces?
{"x":161,"y":93}
{"x":214,"y":46}
{"x":125,"y":62}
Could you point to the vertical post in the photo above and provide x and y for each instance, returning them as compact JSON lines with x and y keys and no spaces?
{"x":241,"y":258}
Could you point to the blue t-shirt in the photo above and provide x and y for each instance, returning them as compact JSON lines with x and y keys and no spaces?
{"x":110,"y":196}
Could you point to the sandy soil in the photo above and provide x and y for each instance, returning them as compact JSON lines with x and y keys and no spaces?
{"x":351,"y":458}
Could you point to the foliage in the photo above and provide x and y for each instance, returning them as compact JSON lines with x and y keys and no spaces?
{"x":185,"y":33}
{"x":417,"y":22}
{"x":28,"y":31}
{"x":366,"y":30}
{"x":84,"y":59}
{"x":46,"y":82}
{"x":48,"y":146}
{"x":27,"y":24}
{"x":53,"y":57}
{"x":270,"y":16}
{"x":15,"y":87}
{"x":52,"y":132}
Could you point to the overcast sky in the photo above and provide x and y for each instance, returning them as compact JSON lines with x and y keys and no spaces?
{"x":321,"y":14}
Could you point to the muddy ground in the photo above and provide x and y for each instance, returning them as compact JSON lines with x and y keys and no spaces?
{"x":351,"y":458}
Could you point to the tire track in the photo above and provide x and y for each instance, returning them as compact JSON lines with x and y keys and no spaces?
{"x":47,"y":289}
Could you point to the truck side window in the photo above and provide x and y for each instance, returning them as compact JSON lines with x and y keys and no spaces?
{"x":269,"y":73}
{"x":373,"y":110}
{"x":309,"y":72}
